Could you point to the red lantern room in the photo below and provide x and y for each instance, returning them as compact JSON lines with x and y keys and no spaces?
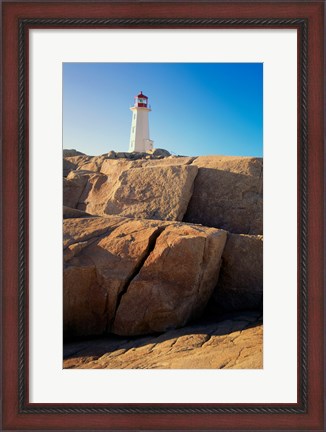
{"x":141,"y":100}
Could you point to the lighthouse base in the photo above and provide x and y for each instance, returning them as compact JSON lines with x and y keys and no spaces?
{"x":146,"y":146}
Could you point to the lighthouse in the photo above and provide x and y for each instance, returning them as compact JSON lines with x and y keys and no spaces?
{"x":139,"y":134}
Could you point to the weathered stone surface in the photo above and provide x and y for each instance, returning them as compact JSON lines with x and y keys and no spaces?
{"x":153,"y":193}
{"x":175,"y":282}
{"x":78,"y":160}
{"x":114,"y":167}
{"x":171,"y":160}
{"x":234,"y":342}
{"x":88,"y":228}
{"x":177,"y":265}
{"x":99,"y":260}
{"x":93,"y":164}
{"x":96,"y":194}
{"x":71,"y":213}
{"x":150,"y":192}
{"x":86,"y":163}
{"x":228,"y":194}
{"x":73,"y":187}
{"x":87,"y":191}
{"x":240,"y":285}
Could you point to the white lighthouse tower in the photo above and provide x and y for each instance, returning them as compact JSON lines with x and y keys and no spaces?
{"x":139,"y":134}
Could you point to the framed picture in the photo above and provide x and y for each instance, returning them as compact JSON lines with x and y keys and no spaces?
{"x":274,"y":53}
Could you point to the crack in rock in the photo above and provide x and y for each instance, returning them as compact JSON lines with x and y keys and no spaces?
{"x":151,"y":246}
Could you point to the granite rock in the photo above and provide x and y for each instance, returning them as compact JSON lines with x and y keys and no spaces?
{"x":240,"y":285}
{"x":159,"y":274}
{"x":228,"y":194}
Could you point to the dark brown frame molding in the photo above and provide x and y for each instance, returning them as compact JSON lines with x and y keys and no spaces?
{"x":17,"y":18}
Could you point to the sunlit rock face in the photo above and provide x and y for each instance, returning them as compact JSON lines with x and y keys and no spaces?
{"x":154,"y":241}
{"x":136,"y":277}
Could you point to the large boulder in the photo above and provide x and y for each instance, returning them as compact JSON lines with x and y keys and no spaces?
{"x":228,"y":194}
{"x":174,"y":283}
{"x":170,"y":269}
{"x":240,"y":285}
{"x":161,"y":192}
{"x":128,"y":188}
{"x":98,"y":264}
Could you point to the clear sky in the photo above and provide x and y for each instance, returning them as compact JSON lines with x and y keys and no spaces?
{"x":197,"y":108}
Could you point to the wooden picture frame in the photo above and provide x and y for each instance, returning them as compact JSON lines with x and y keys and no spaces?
{"x":17,"y":18}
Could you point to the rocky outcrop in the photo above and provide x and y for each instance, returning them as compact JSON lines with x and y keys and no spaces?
{"x":234,"y":342}
{"x":74,"y":159}
{"x":228,"y":194}
{"x":133,"y":268}
{"x":136,"y":276}
{"x":240,"y":285}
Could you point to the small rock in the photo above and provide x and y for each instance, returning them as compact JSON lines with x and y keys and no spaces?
{"x":111,"y":155}
{"x":158,"y":152}
{"x":72,"y":152}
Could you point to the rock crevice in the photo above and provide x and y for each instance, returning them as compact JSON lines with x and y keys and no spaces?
{"x":151,"y":245}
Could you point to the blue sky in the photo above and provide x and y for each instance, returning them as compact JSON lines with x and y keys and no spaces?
{"x":197,"y":108}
